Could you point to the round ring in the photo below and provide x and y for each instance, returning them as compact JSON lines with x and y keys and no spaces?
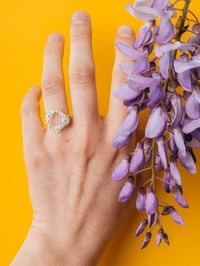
{"x":61,"y":120}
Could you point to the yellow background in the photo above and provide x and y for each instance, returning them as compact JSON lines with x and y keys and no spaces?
{"x":24,"y":26}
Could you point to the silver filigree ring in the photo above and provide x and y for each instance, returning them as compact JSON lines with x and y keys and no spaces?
{"x":56,"y":120}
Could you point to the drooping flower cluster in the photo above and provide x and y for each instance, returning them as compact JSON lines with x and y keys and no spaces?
{"x":163,"y":78}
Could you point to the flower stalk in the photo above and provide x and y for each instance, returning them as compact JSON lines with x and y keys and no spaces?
{"x":173,"y":127}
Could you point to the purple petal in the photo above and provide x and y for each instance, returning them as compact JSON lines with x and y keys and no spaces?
{"x":155,"y":97}
{"x":165,"y":31}
{"x":187,"y":161}
{"x":165,"y":238}
{"x":144,"y":37}
{"x":127,"y":191}
{"x":121,"y":140}
{"x":171,"y":144}
{"x":181,"y":201}
{"x":140,"y":66}
{"x":178,"y":110}
{"x":147,"y":150}
{"x":121,"y":170}
{"x":176,"y":216}
{"x":137,"y":160}
{"x":141,"y":227}
{"x":192,"y":107}
{"x":156,"y":123}
{"x":146,"y":241}
{"x":129,"y":51}
{"x":151,"y":202}
{"x":185,"y":80}
{"x":190,"y":125}
{"x":175,"y":172}
{"x":165,"y":48}
{"x":136,"y":101}
{"x":146,"y":81}
{"x":159,"y":236}
{"x":166,"y":181}
{"x":160,"y":4}
{"x":182,"y":66}
{"x":140,"y":200}
{"x":130,"y":123}
{"x":179,"y":140}
{"x":164,"y":64}
{"x":126,"y":93}
{"x":162,"y":151}
{"x":194,"y":143}
{"x":152,"y":219}
{"x":144,"y":13}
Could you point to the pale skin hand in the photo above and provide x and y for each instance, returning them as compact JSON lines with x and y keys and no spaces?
{"x":73,"y":196}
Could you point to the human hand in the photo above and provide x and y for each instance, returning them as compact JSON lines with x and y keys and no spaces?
{"x":73,"y":197}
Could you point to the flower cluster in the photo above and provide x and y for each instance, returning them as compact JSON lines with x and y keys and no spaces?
{"x":162,"y":78}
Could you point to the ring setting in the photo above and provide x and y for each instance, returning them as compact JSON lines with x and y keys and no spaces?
{"x":56,"y":120}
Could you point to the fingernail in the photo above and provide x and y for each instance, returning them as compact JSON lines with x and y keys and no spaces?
{"x":34,"y":88}
{"x":80,"y":17}
{"x":55,"y":37}
{"x":125,"y":31}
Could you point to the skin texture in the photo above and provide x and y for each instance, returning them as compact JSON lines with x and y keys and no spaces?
{"x":73,"y":197}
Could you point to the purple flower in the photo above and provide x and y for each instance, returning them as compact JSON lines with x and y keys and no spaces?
{"x":126,"y":93}
{"x":178,"y":110}
{"x":129,"y":51}
{"x":176,"y":216}
{"x":171,"y":144}
{"x":141,"y":80}
{"x":141,"y":227}
{"x":130,"y":123}
{"x":192,"y":107}
{"x":138,"y":159}
{"x":160,"y":4}
{"x":140,"y":200}
{"x":164,"y":64}
{"x":165,"y":31}
{"x":177,"y":193}
{"x":140,"y":66}
{"x":162,"y":151}
{"x":190,"y":125}
{"x":156,"y":123}
{"x":121,"y":140}
{"x":151,"y":202}
{"x":121,"y":170}
{"x":187,"y":161}
{"x":166,"y":181}
{"x":174,"y":171}
{"x":165,"y":238}
{"x":179,"y":140}
{"x":147,"y":149}
{"x":156,"y":95}
{"x":159,"y":237}
{"x":127,"y":191}
{"x":144,"y":36}
{"x":185,"y":80}
{"x":181,"y":65}
{"x":146,"y":241}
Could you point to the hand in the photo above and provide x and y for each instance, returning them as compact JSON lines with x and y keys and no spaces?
{"x":73,"y":197}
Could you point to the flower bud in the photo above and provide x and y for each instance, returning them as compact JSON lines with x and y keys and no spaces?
{"x":162,"y":151}
{"x":138,"y":159}
{"x":151,"y":202}
{"x":141,"y":227}
{"x":156,"y":123}
{"x":159,"y":236}
{"x":127,"y":191}
{"x":140,"y":200}
{"x":121,"y":170}
{"x":146,"y":241}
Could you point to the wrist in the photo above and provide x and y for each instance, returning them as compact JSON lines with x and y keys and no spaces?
{"x":46,"y":249}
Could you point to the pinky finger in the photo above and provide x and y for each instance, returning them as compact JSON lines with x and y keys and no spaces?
{"x":32,"y":127}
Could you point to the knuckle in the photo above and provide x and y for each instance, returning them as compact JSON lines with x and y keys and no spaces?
{"x":82,"y":75}
{"x":119,"y":75}
{"x":52,"y":84}
{"x":80,"y":35}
